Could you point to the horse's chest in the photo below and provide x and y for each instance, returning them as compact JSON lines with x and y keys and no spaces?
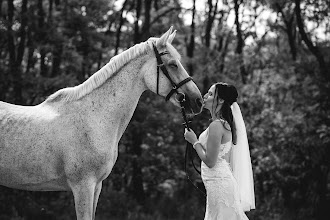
{"x":93,"y":150}
{"x":97,"y":162}
{"x":103,"y":162}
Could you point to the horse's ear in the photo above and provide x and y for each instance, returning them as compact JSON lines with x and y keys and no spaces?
{"x":163,"y":39}
{"x":171,"y":37}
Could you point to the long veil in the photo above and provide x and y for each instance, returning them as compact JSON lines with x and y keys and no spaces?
{"x":241,"y":162}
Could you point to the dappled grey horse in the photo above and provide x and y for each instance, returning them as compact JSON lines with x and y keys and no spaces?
{"x":70,"y":141}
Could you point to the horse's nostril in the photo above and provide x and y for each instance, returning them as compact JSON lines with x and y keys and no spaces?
{"x":199,"y":102}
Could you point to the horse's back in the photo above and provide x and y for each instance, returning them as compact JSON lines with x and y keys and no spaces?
{"x":6,"y":107}
{"x":23,"y":119}
{"x":27,"y":147}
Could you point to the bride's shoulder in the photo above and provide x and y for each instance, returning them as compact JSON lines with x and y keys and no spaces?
{"x":224,"y":123}
{"x":216,"y":125}
{"x":219,"y":122}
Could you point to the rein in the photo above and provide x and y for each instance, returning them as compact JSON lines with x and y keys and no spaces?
{"x":186,"y":123}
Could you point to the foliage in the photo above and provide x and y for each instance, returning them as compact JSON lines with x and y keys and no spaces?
{"x":285,"y":102}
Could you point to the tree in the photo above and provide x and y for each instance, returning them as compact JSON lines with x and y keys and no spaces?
{"x":49,"y":45}
{"x":240,"y":42}
{"x":15,"y":58}
{"x":212,"y":13}
{"x":191,"y":43}
{"x":313,"y":49}
{"x":290,"y":25}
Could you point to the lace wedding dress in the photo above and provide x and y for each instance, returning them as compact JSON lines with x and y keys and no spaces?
{"x":223,"y":202}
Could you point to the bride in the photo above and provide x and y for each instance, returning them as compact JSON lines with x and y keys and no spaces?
{"x":226,"y":165}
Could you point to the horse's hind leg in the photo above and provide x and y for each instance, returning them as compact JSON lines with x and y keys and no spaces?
{"x":83,"y":193}
{"x":97,"y":192}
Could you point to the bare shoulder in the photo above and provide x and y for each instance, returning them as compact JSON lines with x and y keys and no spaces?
{"x":216,"y":127}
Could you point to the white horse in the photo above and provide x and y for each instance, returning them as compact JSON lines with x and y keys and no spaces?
{"x":69,"y":142}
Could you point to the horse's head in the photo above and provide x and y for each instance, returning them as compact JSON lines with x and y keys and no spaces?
{"x":166,"y":76}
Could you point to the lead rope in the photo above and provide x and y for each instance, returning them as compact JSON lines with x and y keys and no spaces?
{"x":188,"y":145}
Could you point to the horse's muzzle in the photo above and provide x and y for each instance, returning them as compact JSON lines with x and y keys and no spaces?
{"x":199,"y":102}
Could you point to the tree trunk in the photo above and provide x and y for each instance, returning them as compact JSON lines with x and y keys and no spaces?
{"x":84,"y":66}
{"x":11,"y":46}
{"x":191,"y":44}
{"x":136,"y":24}
{"x":156,"y":5}
{"x":43,"y":66}
{"x":0,"y":8}
{"x":22,"y":34}
{"x":313,"y":49}
{"x":206,"y":84}
{"x":57,"y":58}
{"x":146,"y":25}
{"x":99,"y":60}
{"x":40,"y":36}
{"x":50,"y":11}
{"x":118,"y":32}
{"x":41,"y":14}
{"x":240,"y":44}
{"x":30,"y":61}
{"x":290,"y":31}
{"x":224,"y":43}
{"x":210,"y":19}
{"x":15,"y":77}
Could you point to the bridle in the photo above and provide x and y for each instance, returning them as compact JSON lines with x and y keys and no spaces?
{"x":180,"y":97}
{"x":161,"y":65}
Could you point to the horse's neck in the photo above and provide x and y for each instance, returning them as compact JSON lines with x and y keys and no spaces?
{"x":115,"y":101}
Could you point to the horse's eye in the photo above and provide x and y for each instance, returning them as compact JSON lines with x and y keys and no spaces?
{"x":173,"y":65}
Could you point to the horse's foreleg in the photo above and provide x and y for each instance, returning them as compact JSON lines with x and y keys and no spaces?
{"x":97,"y":192}
{"x":83,"y":193}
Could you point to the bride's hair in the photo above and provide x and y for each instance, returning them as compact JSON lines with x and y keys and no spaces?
{"x":228,"y":94}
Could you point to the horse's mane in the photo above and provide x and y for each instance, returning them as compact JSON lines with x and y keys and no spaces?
{"x":98,"y":78}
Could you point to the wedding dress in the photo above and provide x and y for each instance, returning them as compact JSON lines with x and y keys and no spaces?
{"x":223,"y":201}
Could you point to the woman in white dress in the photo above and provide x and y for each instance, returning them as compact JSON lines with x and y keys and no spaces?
{"x":226,"y":165}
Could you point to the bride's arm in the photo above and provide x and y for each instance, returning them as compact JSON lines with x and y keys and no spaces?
{"x":209,"y":157}
{"x":203,"y":147}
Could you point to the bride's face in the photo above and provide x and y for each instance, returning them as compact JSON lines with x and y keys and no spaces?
{"x":209,"y":97}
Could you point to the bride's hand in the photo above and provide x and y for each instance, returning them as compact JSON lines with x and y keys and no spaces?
{"x":190,"y":136}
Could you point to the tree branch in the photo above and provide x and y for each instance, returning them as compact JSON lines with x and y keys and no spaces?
{"x":163,"y":14}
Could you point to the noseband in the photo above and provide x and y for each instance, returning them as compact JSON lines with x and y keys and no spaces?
{"x":161,"y":65}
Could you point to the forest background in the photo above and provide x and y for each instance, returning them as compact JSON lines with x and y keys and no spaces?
{"x":275,"y":52}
